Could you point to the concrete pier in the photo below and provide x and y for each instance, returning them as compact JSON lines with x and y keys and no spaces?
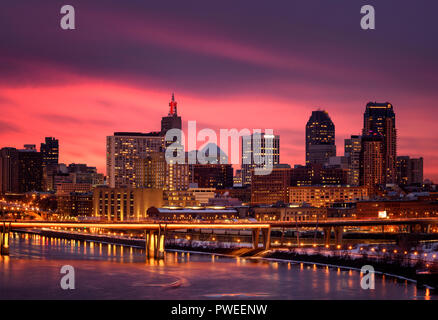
{"x":4,"y":239}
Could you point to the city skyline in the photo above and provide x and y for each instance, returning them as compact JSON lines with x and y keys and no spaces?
{"x":217,"y":65}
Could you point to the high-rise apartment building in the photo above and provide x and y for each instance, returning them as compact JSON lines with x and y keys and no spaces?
{"x":409,"y":170}
{"x":153,"y":171}
{"x":259,"y":150}
{"x":352,"y":148}
{"x":9,"y":170}
{"x":372,"y":161}
{"x":123,"y":150}
{"x":379,"y":119}
{"x":320,"y":138}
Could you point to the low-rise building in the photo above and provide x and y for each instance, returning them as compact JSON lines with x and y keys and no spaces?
{"x":324,"y":196}
{"x":200,"y":213}
{"x":124,"y":204}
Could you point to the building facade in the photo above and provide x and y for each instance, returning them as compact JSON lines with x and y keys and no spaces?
{"x":320,"y":138}
{"x":325,"y":196}
{"x":372,"y":161}
{"x":352,"y":149}
{"x":123,"y":150}
{"x":379,"y":119}
{"x":259,"y":150}
{"x":271,"y":188}
{"x":125,"y":204}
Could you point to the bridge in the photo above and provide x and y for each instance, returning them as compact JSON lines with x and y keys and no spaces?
{"x":155,"y":231}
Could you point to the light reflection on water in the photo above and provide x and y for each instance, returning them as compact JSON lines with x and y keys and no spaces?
{"x":106,"y":271}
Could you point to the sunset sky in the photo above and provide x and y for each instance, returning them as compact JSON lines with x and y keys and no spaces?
{"x":232,"y":64}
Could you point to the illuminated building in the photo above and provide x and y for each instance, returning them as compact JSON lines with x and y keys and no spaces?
{"x":65,"y":188}
{"x":175,"y":214}
{"x":30,"y":169}
{"x":202,"y":195}
{"x":218,"y":176}
{"x":289,"y":213}
{"x":352,"y":148}
{"x":397,"y":209}
{"x":172,"y":120}
{"x":372,"y":163}
{"x":409,"y":170}
{"x":258,"y":146}
{"x":122,"y":204}
{"x":50,"y":153}
{"x":76,"y":204}
{"x":271,"y":188}
{"x":180,"y":198}
{"x":379,"y":119}
{"x":324,"y":196}
{"x":9,"y":170}
{"x":154,"y":171}
{"x":316,"y":174}
{"x":123,"y":150}
{"x":320,"y":138}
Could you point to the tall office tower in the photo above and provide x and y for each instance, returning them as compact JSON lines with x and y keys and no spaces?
{"x":153,"y":171}
{"x":50,"y":151}
{"x":172,"y":121}
{"x":416,"y":168}
{"x":30,"y":169}
{"x":379,"y":118}
{"x":259,"y":150}
{"x":320,"y":138}
{"x":372,"y":161}
{"x":409,"y":170}
{"x":9,"y":170}
{"x":50,"y":154}
{"x":123,"y":149}
{"x":403,"y":170}
{"x":352,"y":149}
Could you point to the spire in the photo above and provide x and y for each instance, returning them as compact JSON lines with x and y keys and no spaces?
{"x":172,"y":105}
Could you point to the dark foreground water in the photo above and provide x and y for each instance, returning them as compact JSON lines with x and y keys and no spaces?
{"x":102,"y":271}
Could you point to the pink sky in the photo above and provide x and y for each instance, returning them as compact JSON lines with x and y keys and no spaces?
{"x":247,"y":66}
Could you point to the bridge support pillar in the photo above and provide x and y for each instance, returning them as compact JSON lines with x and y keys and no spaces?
{"x":4,"y":239}
{"x":338,"y":235}
{"x":266,"y":238}
{"x":154,"y":243}
{"x":255,"y":238}
{"x":327,"y":235}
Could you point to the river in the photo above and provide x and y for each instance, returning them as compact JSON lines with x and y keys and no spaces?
{"x":105,"y":271}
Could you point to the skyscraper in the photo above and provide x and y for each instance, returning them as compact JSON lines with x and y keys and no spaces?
{"x":8,"y":170}
{"x":172,"y":120}
{"x":352,"y":149}
{"x":30,"y":169}
{"x":256,"y":147}
{"x":50,"y":157}
{"x":409,"y":170}
{"x":50,"y":151}
{"x":372,"y":161}
{"x":320,"y":138}
{"x":123,"y":150}
{"x":379,"y":119}
{"x":154,"y":171}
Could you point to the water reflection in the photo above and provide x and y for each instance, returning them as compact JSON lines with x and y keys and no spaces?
{"x":106,"y":271}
